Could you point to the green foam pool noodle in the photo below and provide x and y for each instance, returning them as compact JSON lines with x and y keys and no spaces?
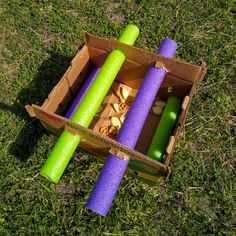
{"x":164,"y":129}
{"x":67,"y":143}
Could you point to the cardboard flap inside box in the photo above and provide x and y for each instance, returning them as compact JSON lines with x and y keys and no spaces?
{"x":179,"y":81}
{"x":188,"y":72}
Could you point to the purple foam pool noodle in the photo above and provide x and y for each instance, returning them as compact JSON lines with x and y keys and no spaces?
{"x":168,"y":48}
{"x":79,"y":96}
{"x":114,"y":168}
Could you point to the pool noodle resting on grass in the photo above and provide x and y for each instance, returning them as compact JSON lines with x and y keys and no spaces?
{"x":67,"y":143}
{"x":164,"y":129}
{"x":81,"y":93}
{"x":112,"y":173}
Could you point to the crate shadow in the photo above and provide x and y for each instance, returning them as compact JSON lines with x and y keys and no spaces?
{"x":49,"y":73}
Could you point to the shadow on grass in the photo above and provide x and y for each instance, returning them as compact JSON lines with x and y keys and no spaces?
{"x":49,"y":73}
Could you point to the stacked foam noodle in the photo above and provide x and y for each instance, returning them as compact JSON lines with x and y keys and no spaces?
{"x":164,"y":129}
{"x":67,"y":143}
{"x":81,"y":93}
{"x":114,"y":168}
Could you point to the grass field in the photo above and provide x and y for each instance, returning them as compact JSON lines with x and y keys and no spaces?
{"x":38,"y":40}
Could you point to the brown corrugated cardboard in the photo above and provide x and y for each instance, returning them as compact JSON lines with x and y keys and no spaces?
{"x":180,"y":81}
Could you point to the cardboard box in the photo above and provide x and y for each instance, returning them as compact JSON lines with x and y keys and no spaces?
{"x":180,"y":81}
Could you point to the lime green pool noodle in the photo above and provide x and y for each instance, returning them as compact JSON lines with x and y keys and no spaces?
{"x":67,"y":143}
{"x":164,"y":129}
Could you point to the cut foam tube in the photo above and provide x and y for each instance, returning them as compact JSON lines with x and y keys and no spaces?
{"x":67,"y":143}
{"x":164,"y":129}
{"x":112,"y":173}
{"x":81,"y":93}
